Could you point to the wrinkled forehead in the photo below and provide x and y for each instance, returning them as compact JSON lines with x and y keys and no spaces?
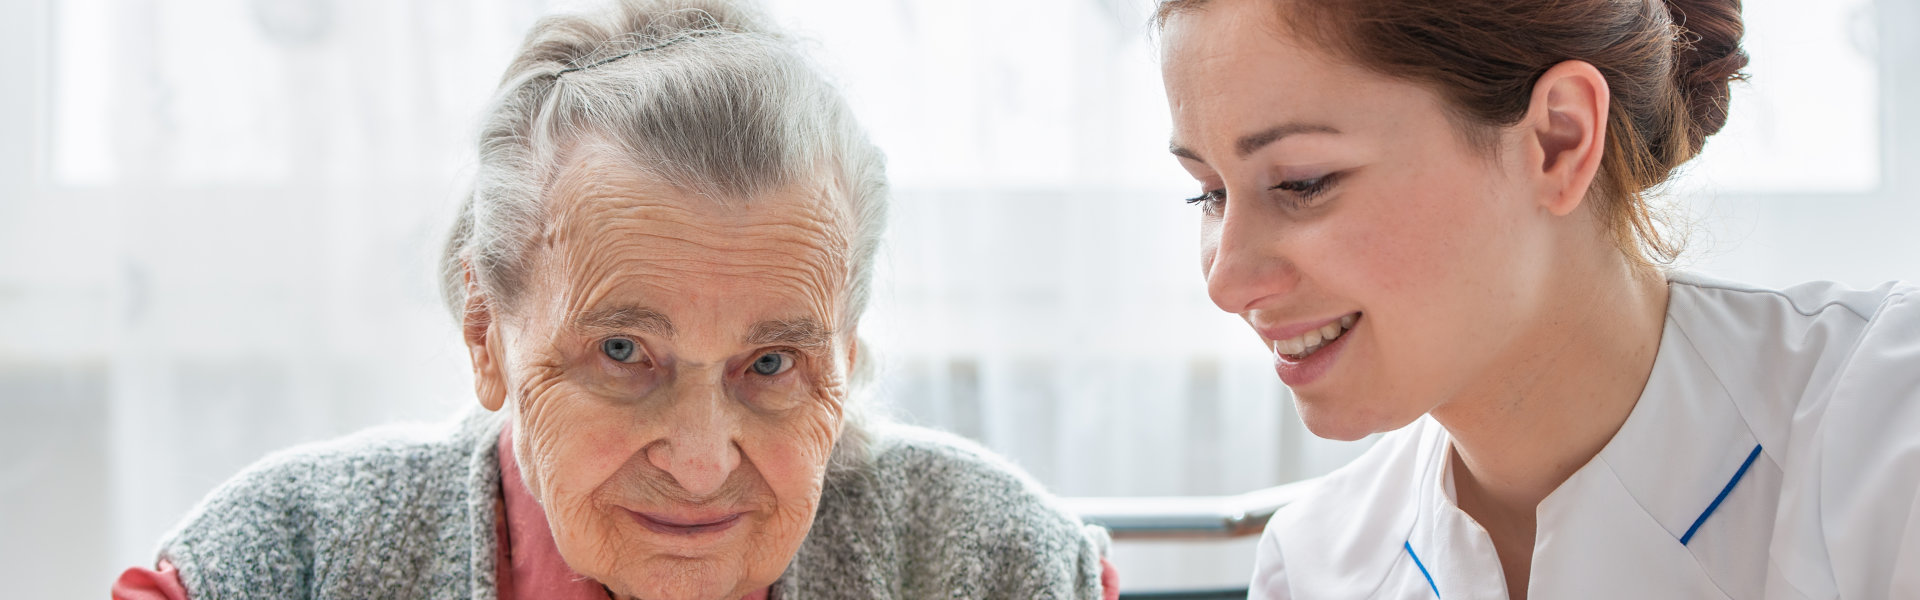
{"x":619,"y":236}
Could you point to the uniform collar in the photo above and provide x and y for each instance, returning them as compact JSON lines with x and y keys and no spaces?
{"x":1683,"y":441}
{"x":1643,"y":492}
{"x":1346,"y":539}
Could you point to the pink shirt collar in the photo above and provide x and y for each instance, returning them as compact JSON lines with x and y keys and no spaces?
{"x":530,"y":562}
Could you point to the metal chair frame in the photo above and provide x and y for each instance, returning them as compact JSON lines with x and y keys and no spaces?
{"x":1188,"y":518}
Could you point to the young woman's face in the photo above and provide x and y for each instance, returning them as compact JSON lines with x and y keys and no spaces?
{"x":1343,"y":205}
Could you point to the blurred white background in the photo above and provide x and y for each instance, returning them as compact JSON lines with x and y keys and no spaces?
{"x":219,"y":219}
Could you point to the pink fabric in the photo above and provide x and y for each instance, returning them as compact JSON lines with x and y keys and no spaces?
{"x":1109,"y":580}
{"x":160,"y":583}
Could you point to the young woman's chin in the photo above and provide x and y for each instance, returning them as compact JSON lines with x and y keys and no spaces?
{"x":1345,"y":418}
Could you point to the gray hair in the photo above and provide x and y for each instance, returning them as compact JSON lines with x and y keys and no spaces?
{"x":703,"y":95}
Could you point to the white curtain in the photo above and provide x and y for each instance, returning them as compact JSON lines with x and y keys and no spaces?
{"x":219,"y":222}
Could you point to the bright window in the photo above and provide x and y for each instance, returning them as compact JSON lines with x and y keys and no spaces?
{"x":224,"y":243}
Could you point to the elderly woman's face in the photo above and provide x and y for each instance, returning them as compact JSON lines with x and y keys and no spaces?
{"x":678,"y":369}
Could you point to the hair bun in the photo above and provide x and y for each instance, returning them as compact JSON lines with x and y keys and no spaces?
{"x":1706,"y":58}
{"x":574,"y":41}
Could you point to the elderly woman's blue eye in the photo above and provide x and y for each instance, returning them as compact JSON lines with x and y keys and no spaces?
{"x":620,"y":349}
{"x":772,"y":363}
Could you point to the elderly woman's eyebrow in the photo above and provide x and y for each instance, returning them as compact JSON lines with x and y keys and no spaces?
{"x":799,"y":333}
{"x":623,"y":318}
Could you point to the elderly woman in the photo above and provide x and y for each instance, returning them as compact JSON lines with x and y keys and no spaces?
{"x":660,"y":274}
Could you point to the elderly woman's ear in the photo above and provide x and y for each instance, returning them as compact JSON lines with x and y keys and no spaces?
{"x":853,"y":354}
{"x":476,"y":326}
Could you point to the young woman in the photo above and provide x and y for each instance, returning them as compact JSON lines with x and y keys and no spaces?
{"x":1435,"y":214}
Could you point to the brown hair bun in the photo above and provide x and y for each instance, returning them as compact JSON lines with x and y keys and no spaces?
{"x":1706,"y":58}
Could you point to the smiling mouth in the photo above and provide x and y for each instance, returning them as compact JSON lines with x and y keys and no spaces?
{"x":1303,"y":346}
{"x":670,"y":525}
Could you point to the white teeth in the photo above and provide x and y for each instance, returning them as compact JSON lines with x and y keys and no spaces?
{"x":1332,"y":330}
{"x":1312,"y":341}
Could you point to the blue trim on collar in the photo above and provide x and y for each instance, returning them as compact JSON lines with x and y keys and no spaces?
{"x":1423,"y":568}
{"x":1722,"y":497}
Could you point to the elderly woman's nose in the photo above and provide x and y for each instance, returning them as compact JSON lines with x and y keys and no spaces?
{"x":1244,"y":261}
{"x":699,"y":447}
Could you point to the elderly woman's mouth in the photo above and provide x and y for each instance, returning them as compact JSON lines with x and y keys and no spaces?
{"x":686,"y":524}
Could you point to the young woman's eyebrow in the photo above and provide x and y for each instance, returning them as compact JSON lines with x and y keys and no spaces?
{"x":1253,"y":142}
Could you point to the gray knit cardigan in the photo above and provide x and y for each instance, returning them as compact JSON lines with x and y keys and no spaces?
{"x":409,"y":513}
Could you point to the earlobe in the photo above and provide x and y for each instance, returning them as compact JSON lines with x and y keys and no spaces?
{"x":1568,"y":128}
{"x":476,"y":325}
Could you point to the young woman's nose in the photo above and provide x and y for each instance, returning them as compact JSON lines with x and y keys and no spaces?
{"x":1242,"y":257}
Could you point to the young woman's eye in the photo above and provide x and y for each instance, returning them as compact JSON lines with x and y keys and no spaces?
{"x":621,"y":349}
{"x":1209,"y":202}
{"x":1305,"y":191}
{"x":772,"y":363}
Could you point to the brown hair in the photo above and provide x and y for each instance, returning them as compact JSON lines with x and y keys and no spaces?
{"x":1668,"y":64}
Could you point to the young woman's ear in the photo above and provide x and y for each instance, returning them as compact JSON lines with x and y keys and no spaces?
{"x":1565,"y":133}
{"x":483,"y":345}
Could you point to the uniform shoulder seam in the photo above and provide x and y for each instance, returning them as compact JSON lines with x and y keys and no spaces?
{"x":1716,"y":285}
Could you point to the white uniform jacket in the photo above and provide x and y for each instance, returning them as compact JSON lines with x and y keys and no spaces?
{"x":1775,"y":454}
